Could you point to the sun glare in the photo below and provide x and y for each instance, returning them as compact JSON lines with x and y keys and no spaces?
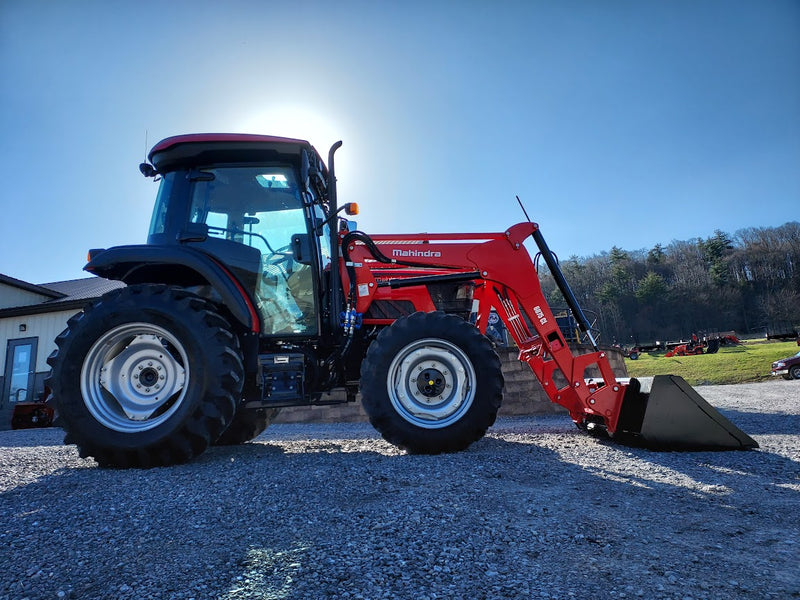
{"x":295,"y":122}
{"x":322,"y":130}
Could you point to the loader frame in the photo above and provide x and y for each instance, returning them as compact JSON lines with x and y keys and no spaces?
{"x":504,"y":279}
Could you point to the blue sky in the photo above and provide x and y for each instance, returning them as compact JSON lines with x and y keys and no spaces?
{"x":625,"y":123}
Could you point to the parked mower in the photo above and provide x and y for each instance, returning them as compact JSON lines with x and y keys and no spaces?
{"x":31,"y":415}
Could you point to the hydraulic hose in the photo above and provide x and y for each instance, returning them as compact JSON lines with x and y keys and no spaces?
{"x":563,"y":286}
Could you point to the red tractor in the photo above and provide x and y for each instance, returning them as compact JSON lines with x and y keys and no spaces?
{"x":253,"y":293}
{"x":684,"y":350}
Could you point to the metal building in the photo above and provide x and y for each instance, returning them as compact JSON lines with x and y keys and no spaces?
{"x":31,"y":316}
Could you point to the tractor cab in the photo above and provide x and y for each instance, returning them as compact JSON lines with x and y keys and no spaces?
{"x":258,"y":205}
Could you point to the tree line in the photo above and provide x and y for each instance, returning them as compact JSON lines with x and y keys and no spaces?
{"x":748,"y":283}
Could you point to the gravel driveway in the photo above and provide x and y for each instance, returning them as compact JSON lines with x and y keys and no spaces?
{"x":534,"y":510}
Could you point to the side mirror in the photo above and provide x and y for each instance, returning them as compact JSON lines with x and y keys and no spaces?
{"x":147,"y":170}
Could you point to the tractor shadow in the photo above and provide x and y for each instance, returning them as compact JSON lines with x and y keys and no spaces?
{"x":254,"y":520}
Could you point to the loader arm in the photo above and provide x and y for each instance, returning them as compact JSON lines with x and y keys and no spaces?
{"x":506,"y":281}
{"x":671,"y":416}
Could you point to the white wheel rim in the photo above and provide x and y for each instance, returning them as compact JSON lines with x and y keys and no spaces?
{"x":431,"y":383}
{"x":134,"y":377}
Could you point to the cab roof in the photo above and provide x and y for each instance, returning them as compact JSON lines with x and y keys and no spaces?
{"x":212,"y":148}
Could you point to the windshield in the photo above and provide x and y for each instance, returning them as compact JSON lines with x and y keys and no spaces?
{"x":262,"y":207}
{"x":251,"y":205}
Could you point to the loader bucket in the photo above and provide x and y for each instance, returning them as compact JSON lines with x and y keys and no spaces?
{"x":673,"y":416}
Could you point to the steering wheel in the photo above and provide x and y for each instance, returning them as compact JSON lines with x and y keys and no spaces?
{"x":282,"y":261}
{"x":280,"y":255}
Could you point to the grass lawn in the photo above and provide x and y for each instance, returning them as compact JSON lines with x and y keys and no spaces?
{"x":747,"y":362}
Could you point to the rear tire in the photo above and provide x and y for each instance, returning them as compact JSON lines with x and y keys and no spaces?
{"x":456,"y":401}
{"x":148,"y":375}
{"x":247,"y":424}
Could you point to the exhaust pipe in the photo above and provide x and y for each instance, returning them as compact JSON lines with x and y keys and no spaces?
{"x":673,"y":416}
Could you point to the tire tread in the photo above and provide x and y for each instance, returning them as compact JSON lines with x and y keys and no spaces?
{"x":203,"y":424}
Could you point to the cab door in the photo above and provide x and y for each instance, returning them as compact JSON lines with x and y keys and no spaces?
{"x":254,"y":214}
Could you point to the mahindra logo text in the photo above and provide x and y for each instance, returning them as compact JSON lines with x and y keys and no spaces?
{"x":430,"y":253}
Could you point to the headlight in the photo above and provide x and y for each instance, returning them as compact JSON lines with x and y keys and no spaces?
{"x":778,"y":365}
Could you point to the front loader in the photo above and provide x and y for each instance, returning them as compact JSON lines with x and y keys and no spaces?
{"x":253,"y":293}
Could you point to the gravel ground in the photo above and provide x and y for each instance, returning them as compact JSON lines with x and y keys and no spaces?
{"x":534,"y":510}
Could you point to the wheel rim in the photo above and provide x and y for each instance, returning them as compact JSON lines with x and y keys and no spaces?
{"x":431,"y":383}
{"x":134,"y":377}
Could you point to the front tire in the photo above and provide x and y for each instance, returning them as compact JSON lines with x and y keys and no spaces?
{"x":794,"y":372}
{"x":431,"y":383}
{"x":148,"y":375}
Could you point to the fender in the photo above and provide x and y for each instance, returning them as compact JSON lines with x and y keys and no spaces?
{"x":175,"y":265}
